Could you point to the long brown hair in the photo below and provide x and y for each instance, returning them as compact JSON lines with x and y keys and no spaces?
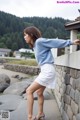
{"x":34,"y":33}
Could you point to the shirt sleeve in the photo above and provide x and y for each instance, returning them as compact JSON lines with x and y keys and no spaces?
{"x":56,"y":43}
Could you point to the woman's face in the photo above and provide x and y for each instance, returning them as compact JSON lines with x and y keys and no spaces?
{"x":27,"y":38}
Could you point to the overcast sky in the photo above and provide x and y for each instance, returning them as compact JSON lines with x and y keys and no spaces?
{"x":41,"y":8}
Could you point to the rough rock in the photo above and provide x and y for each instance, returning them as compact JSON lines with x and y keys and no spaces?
{"x":9,"y":102}
{"x":4,"y":82}
{"x":17,"y":88}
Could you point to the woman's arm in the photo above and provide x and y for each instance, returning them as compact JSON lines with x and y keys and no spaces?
{"x":56,"y":43}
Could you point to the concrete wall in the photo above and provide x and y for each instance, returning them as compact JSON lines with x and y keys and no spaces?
{"x":67,"y":91}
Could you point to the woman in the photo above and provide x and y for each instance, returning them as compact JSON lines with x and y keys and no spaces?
{"x":46,"y":78}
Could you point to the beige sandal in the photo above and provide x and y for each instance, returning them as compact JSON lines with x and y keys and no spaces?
{"x":41,"y":117}
{"x":34,"y":118}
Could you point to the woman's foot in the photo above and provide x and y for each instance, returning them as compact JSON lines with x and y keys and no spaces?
{"x":40,"y":117}
{"x":34,"y":118}
{"x":31,"y":118}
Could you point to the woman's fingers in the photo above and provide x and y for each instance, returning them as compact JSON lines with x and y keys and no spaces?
{"x":76,"y":42}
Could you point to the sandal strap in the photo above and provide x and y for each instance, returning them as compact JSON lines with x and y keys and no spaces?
{"x":41,"y":117}
{"x":34,"y":118}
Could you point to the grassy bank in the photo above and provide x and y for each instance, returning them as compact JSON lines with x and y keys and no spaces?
{"x":30,"y":62}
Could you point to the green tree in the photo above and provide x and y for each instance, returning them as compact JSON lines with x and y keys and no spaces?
{"x":14,"y":46}
{"x":11,"y":29}
{"x":2,"y":45}
{"x":9,"y":43}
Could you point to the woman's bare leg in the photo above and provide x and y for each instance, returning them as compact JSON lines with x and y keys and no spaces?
{"x":30,"y":100}
{"x":40,"y":100}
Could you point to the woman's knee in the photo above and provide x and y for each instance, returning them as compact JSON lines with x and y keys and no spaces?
{"x":28,"y":91}
{"x":39,"y":92}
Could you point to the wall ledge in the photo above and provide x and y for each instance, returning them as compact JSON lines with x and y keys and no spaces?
{"x":69,"y":60}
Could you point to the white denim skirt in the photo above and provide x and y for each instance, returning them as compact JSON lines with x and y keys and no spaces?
{"x":47,"y":76}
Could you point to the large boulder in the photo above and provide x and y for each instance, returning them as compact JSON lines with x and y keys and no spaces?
{"x":18,"y":88}
{"x":20,"y":113}
{"x":4,"y":82}
{"x":10,"y":102}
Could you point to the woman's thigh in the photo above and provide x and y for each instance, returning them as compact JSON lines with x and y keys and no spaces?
{"x":34,"y":86}
{"x":40,"y":90}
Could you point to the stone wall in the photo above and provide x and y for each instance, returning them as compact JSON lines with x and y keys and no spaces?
{"x":32,"y":70}
{"x":2,"y":61}
{"x":67,"y":92}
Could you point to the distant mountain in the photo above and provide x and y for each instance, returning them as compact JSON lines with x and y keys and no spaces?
{"x":11,"y":29}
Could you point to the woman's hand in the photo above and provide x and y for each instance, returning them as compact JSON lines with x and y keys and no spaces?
{"x":76,"y":42}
